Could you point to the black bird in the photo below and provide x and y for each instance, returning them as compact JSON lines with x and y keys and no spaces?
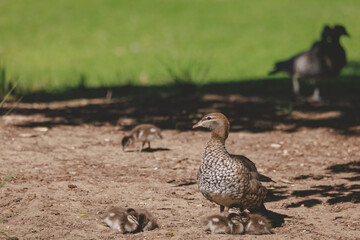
{"x":322,"y":61}
{"x":336,"y":52}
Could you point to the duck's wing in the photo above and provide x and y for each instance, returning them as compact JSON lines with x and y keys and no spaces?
{"x":264,"y":178}
{"x":252,"y":168}
{"x":254,"y":193}
{"x":286,"y":66}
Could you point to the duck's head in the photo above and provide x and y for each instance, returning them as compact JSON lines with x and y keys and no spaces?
{"x":339,"y":30}
{"x":217,"y":123}
{"x":326,"y":33}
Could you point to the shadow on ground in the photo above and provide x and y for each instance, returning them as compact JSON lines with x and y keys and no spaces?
{"x":256,"y":106}
{"x":338,"y":193}
{"x":150,"y":150}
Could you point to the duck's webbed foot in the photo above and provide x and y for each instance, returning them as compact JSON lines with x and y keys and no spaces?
{"x":236,"y":209}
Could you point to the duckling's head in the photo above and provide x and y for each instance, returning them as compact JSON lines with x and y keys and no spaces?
{"x":237,"y":223}
{"x":126,"y":141}
{"x":217,"y":123}
{"x":339,"y":30}
{"x":132,"y":220}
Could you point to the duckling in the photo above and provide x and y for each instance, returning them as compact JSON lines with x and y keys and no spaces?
{"x":322,"y":61}
{"x":144,"y":133}
{"x":256,"y":224}
{"x":123,"y":220}
{"x":129,"y":220}
{"x":146,"y":220}
{"x":221,"y":224}
{"x":226,"y":179}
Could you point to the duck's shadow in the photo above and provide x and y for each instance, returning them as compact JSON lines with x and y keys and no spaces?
{"x":277,"y":219}
{"x":149,"y":150}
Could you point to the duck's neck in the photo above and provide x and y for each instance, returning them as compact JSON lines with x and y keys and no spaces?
{"x":336,"y":40}
{"x":216,"y":144}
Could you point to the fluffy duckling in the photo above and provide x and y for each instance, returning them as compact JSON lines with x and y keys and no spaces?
{"x":256,"y":224}
{"x":129,"y":220}
{"x":144,"y":133}
{"x":146,"y":220}
{"x":225,"y":225}
{"x":123,"y":220}
{"x":226,"y":179}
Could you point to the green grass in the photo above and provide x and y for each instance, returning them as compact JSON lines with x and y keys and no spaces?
{"x":8,"y":178}
{"x":48,"y":45}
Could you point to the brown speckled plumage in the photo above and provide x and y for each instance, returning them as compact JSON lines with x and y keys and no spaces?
{"x":226,"y":179}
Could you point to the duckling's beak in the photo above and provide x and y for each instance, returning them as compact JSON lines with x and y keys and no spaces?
{"x":199,"y":124}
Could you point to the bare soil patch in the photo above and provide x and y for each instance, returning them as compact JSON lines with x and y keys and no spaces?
{"x":68,"y":168}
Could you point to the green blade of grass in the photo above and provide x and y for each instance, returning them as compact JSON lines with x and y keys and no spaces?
{"x":7,"y":95}
{"x":6,"y":180}
{"x":13,"y":107}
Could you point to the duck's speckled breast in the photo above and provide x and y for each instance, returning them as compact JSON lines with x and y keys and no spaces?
{"x":219,"y":176}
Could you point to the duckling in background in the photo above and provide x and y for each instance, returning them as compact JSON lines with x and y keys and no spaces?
{"x":221,"y":224}
{"x":129,"y":220}
{"x":143,"y":133}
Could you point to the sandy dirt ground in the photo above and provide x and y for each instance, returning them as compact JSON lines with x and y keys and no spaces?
{"x":67,"y":167}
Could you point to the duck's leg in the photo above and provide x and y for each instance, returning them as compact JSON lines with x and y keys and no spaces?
{"x":316,"y":95}
{"x":296,"y":87}
{"x":222,"y":208}
{"x":149,"y":144}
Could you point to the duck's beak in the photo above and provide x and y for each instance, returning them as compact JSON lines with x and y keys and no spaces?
{"x":199,"y":124}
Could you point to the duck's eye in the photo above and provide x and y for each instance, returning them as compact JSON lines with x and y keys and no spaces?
{"x":208,"y":118}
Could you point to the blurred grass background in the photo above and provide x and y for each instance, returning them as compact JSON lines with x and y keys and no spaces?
{"x":51,"y":45}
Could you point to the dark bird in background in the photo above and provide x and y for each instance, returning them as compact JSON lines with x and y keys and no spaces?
{"x":325,"y":59}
